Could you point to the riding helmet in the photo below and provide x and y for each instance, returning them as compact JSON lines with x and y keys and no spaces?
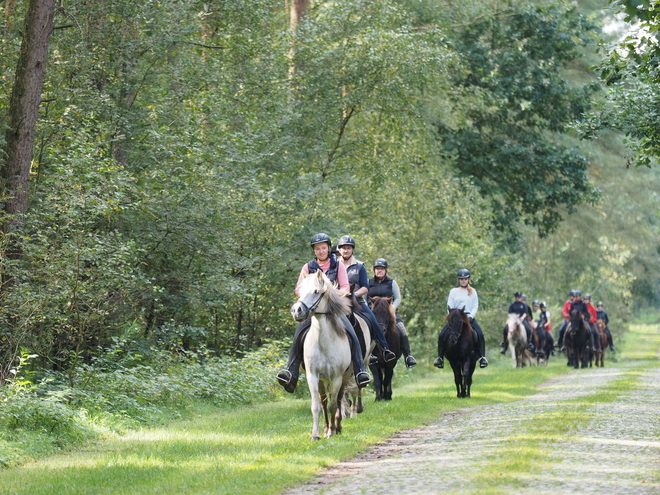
{"x":382,"y":262}
{"x":571,"y":293}
{"x":517,"y":294}
{"x":535,"y":302}
{"x":600,"y":303}
{"x":320,"y":237}
{"x":346,"y":240}
{"x":543,"y":304}
{"x":577,"y":293}
{"x":463,"y":273}
{"x":587,"y":296}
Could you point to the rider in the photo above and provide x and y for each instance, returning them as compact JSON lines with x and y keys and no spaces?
{"x":544,"y":323}
{"x":327,"y":262}
{"x":383,"y":286}
{"x":524,"y":312}
{"x":357,"y":278}
{"x":583,"y":308}
{"x":463,"y":296}
{"x":565,"y":312}
{"x":593,"y":317}
{"x":602,"y":315}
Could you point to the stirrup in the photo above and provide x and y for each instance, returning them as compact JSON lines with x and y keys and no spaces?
{"x":362,"y":379}
{"x":373,"y":359}
{"x":389,"y":356}
{"x":483,"y":362}
{"x":410,"y":361}
{"x":284,"y":377}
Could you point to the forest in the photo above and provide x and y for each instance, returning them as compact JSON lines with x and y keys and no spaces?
{"x":165,"y":164}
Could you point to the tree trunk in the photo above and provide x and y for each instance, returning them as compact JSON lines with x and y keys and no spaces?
{"x":24,"y":109}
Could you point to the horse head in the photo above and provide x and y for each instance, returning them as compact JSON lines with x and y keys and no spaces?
{"x":458,"y":322}
{"x":576,"y":321}
{"x":318,"y":296}
{"x":384,"y":312}
{"x":513,"y":323}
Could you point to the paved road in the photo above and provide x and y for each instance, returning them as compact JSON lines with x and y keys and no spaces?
{"x":612,"y":447}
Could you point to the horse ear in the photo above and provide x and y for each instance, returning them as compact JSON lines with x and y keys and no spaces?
{"x":448,"y":308}
{"x":463,"y":309}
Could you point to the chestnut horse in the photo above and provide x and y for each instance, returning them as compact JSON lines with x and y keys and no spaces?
{"x":600,"y":358}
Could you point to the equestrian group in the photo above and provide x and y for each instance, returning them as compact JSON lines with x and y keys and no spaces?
{"x":583,"y":335}
{"x":339,"y":335}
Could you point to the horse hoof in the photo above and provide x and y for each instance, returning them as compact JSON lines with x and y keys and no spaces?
{"x":315,"y":438}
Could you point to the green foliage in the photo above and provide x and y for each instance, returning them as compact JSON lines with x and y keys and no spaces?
{"x":511,"y":100}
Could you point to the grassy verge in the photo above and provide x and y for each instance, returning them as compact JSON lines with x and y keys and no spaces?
{"x":265,"y":448}
{"x":259,"y":449}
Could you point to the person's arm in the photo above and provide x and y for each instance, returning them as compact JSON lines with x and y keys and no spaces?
{"x":363,"y":282}
{"x":397,"y":294}
{"x":474,"y":306}
{"x":342,"y":278}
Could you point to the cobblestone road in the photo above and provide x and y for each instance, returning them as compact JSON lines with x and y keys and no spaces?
{"x":616,"y":450}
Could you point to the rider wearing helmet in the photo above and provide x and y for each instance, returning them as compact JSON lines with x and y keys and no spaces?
{"x":383,"y":286}
{"x":327,"y":262}
{"x":565,"y":312}
{"x":593,"y":316}
{"x":357,"y":278}
{"x":463,"y":296}
{"x":524,"y":312}
{"x":581,"y":306}
{"x":544,"y":325}
{"x":602,"y":315}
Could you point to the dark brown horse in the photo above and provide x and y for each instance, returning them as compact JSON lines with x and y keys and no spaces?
{"x":383,"y":372}
{"x":461,"y":349}
{"x":577,"y":340}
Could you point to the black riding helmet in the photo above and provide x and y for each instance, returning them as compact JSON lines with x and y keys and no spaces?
{"x":517,"y":294}
{"x":542,"y":305}
{"x":463,"y":273}
{"x":535,"y":302}
{"x":382,"y":262}
{"x":346,"y":240}
{"x":320,"y":237}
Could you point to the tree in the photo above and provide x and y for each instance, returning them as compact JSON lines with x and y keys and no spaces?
{"x":511,"y":105}
{"x":24,"y":109}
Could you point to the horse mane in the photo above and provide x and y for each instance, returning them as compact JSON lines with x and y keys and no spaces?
{"x":337,"y":302}
{"x":384,"y":304}
{"x":466,"y":328}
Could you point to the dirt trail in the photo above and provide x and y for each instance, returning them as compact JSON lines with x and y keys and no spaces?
{"x":615,"y":451}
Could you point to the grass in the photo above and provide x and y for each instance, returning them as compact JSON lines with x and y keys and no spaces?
{"x":265,"y":448}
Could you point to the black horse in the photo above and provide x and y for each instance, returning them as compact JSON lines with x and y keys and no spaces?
{"x":577,"y":340}
{"x":383,"y":372}
{"x":461,"y":347}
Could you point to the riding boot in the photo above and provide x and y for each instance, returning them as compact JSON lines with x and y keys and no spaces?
{"x":405,"y":349}
{"x":505,"y":340}
{"x":288,"y":377}
{"x":362,"y":378}
{"x":609,"y":338}
{"x":596,"y":339}
{"x":483,"y":362}
{"x":530,"y":339}
{"x":560,"y":337}
{"x":440,"y":362}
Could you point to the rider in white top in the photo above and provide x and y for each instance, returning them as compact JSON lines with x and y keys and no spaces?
{"x":459,"y":297}
{"x":463,"y":295}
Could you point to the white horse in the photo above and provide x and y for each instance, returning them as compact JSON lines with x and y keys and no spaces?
{"x":326,"y":351}
{"x":517,"y":338}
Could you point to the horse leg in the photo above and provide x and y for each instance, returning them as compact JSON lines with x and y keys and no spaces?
{"x":313,"y":383}
{"x":323,"y":394}
{"x":387,"y":383}
{"x":376,"y":373}
{"x":359,"y":407}
{"x":458,"y":380}
{"x":338,"y":415}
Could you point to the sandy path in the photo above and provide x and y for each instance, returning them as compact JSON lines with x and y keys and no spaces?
{"x":615,"y":451}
